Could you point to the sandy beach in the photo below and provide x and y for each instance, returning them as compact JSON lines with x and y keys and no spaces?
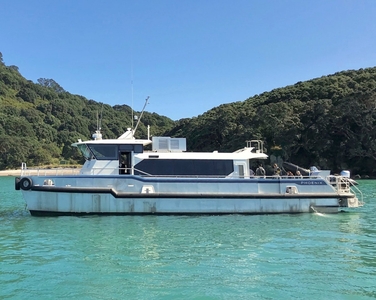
{"x":53,"y":171}
{"x":10,"y":172}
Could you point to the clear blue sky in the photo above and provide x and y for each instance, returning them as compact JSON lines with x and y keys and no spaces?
{"x":187,"y":55}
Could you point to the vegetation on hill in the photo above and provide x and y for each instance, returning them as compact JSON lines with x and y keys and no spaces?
{"x":40,"y":121}
{"x":328,"y":122}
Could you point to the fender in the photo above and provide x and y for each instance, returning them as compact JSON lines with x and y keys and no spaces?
{"x":26,"y":183}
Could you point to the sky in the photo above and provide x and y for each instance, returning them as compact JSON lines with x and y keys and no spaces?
{"x":188,"y":56}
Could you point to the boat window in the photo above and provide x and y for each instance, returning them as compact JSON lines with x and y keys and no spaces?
{"x":241,"y":170}
{"x":85,"y":151}
{"x":185,"y":167}
{"x":130,"y":148}
{"x":104,"y":151}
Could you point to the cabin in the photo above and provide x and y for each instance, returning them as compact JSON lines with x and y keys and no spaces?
{"x":168,"y":157}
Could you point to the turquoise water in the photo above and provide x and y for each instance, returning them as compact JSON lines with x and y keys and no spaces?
{"x":305,"y":256}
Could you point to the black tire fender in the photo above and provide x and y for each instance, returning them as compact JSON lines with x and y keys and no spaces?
{"x":17,"y":183}
{"x":26,"y":183}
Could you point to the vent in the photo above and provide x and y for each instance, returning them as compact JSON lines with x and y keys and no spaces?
{"x":167,"y":144}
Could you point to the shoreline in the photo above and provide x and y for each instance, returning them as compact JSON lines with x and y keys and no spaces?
{"x":42,"y":172}
{"x":10,"y":172}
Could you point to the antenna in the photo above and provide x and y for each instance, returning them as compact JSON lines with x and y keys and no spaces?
{"x":132,"y":91}
{"x":97,"y":135}
{"x":142,"y":112}
{"x":99,"y":126}
{"x":97,"y":121}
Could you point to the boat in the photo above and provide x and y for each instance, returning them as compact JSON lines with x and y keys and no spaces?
{"x":121,"y":176}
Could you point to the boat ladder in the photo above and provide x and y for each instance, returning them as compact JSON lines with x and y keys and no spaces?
{"x":343,"y":185}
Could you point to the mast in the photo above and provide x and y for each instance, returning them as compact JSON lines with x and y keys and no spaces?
{"x":98,"y":135}
{"x":142,"y":112}
{"x":132,"y":93}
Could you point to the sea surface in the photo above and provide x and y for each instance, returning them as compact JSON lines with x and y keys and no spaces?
{"x":303,"y":256}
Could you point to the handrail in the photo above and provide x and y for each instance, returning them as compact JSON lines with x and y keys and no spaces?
{"x":343,"y":185}
{"x":357,"y":192}
{"x":128,"y":171}
{"x":25,"y":171}
{"x":145,"y":174}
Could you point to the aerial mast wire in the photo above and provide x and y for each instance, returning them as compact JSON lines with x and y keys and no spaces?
{"x":132,"y":117}
{"x":142,"y":112}
{"x":100,"y":119}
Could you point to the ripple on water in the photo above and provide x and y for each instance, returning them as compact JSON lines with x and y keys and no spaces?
{"x":199,"y":257}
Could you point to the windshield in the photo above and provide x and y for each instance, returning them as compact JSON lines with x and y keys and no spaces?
{"x":104,"y":151}
{"x":85,"y":151}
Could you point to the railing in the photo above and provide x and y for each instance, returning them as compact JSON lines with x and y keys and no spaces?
{"x":354,"y":189}
{"x":48,"y":172}
{"x":340,"y":184}
{"x":128,"y":171}
{"x":344,"y":185}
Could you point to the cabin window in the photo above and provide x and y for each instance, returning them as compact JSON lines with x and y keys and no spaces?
{"x":130,"y":148}
{"x":104,"y":151}
{"x":85,"y":151}
{"x":241,"y":170}
{"x":185,"y":167}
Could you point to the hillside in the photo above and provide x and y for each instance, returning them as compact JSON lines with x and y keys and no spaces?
{"x":40,"y":121}
{"x":328,"y":122}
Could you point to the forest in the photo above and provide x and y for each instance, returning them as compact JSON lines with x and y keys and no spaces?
{"x":327,"y":122}
{"x":39,"y":121}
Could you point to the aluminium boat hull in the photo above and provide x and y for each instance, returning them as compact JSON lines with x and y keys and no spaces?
{"x":68,"y":195}
{"x":68,"y":204}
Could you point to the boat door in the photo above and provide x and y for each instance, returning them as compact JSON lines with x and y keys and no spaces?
{"x":126,"y":153}
{"x":125,"y":162}
{"x":239,"y":169}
